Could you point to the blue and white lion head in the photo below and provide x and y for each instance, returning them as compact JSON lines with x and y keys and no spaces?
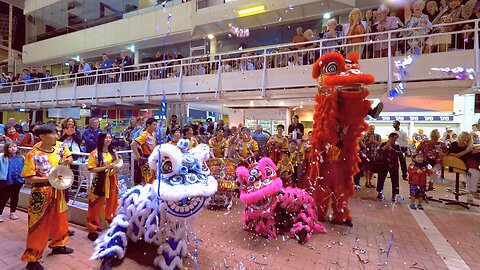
{"x":184,"y":178}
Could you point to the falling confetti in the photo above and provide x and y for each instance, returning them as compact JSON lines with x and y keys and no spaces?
{"x":458,"y":73}
{"x":402,"y":66}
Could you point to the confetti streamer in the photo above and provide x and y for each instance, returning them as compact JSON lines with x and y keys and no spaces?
{"x":459,"y":73}
{"x":402,"y":66}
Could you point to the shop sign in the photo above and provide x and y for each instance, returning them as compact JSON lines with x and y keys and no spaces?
{"x":414,"y":118}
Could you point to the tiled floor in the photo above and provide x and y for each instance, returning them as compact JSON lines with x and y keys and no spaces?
{"x":226,"y":246}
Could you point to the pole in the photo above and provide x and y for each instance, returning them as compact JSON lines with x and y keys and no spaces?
{"x":10,"y":38}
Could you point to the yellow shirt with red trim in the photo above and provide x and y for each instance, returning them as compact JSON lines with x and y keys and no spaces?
{"x":296,"y":156}
{"x":244,"y":148}
{"x":93,"y":159}
{"x":276,"y":141}
{"x":218,"y":146}
{"x":285,"y":169}
{"x":147,"y":143}
{"x":39,"y":162}
{"x":193,"y":142}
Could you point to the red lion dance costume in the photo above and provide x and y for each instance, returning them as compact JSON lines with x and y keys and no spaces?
{"x":339,"y":120}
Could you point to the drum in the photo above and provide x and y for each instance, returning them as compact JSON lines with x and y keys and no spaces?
{"x":224,"y":171}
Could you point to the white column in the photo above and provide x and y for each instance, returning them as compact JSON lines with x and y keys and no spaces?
{"x":136,"y":57}
{"x":213,"y":45}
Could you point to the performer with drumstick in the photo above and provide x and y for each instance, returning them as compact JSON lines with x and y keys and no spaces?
{"x":247,"y":148}
{"x":47,"y":208}
{"x":218,"y":144}
{"x":103,"y":193}
{"x":277,"y":143}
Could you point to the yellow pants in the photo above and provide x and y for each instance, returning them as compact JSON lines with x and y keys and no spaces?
{"x":45,"y":220}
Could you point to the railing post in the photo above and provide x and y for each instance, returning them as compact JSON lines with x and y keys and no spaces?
{"x":390,"y":62}
{"x":95,"y":86}
{"x":39,"y":100}
{"x":146,"y":96}
{"x":56,"y":92}
{"x":24,"y":95}
{"x":477,"y":53}
{"x":264,"y":72}
{"x":219,"y":78}
{"x":74,"y":100}
{"x":120,"y":79}
{"x":11,"y":95}
{"x":180,"y":81}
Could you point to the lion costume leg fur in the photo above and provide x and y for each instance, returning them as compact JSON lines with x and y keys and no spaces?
{"x":332,"y":173}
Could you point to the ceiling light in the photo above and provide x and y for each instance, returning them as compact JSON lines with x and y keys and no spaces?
{"x":327,"y":16}
{"x":131,"y":48}
{"x":211,"y":36}
{"x":251,"y":11}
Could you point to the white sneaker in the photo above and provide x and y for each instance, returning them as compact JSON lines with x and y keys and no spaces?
{"x":13,"y":216}
{"x":1,"y":219}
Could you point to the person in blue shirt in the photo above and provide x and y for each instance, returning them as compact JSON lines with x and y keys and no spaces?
{"x":90,"y":135}
{"x":11,"y":165}
{"x":106,"y":65}
{"x":261,"y":137}
{"x":26,"y":78}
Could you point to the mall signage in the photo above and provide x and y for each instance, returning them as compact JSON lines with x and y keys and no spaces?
{"x":429,"y":118}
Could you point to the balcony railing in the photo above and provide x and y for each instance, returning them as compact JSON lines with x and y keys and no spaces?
{"x":397,"y":43}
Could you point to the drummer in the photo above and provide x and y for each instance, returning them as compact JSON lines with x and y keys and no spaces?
{"x":218,"y":144}
{"x":247,"y":148}
{"x":103,"y":194}
{"x":47,"y":208}
{"x":277,"y":144}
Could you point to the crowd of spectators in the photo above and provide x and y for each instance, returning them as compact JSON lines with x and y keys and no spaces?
{"x":361,"y":33}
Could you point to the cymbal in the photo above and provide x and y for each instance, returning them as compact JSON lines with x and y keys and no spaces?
{"x":117,"y":166}
{"x":61,"y":177}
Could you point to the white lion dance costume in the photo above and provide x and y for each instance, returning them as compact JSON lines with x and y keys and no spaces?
{"x":160,"y":213}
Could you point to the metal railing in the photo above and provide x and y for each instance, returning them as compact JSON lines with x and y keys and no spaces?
{"x":395,"y":43}
{"x":83,"y":178}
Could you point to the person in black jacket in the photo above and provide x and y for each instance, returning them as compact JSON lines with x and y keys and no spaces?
{"x":389,"y":154}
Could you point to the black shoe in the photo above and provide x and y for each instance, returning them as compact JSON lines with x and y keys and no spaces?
{"x":405,"y":178}
{"x":92,"y":236}
{"x":348,"y":223}
{"x":71,"y":233}
{"x":301,"y":235}
{"x":62,"y":250}
{"x":107,"y":263}
{"x":34,"y":266}
{"x":375,"y":112}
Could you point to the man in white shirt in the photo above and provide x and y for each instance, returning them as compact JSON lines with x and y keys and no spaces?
{"x":403,"y":143}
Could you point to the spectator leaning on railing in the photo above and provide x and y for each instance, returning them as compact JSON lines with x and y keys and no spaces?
{"x":384,"y":23}
{"x":331,"y":34}
{"x":355,"y":26}
{"x":415,"y":20}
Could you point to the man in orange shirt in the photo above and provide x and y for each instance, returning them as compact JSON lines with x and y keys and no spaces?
{"x":145,"y":143}
{"x":47,"y":207}
{"x":299,"y":38}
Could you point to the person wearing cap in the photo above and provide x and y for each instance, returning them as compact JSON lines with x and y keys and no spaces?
{"x":417,"y":178}
{"x":103,"y":195}
{"x":47,"y":208}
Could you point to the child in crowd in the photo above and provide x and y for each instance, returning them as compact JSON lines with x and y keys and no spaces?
{"x":296,"y":157}
{"x":285,"y":169}
{"x":417,"y":173}
{"x":12,"y":134}
{"x":11,"y":165}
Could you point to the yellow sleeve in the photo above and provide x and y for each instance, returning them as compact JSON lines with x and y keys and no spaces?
{"x":285,"y":143}
{"x":142,"y":139}
{"x":255,"y":146}
{"x":92,"y":160}
{"x":29,"y":168}
{"x":290,"y":168}
{"x":66,"y":152}
{"x":210,"y":143}
{"x":227,"y":144}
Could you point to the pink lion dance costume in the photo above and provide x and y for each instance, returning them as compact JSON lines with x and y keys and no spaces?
{"x":272,"y":209}
{"x":339,"y":120}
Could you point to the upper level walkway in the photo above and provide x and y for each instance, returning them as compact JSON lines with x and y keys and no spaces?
{"x":266,"y":75}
